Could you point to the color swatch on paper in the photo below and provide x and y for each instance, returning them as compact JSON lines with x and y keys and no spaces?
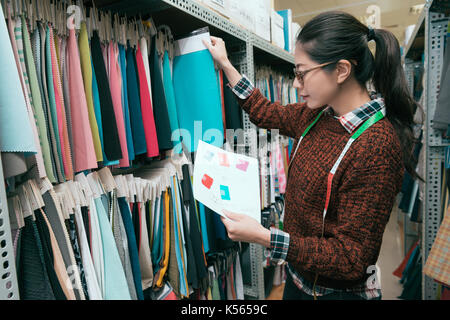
{"x":207,"y":181}
{"x":223,"y":159}
{"x":242,"y":165}
{"x":225,"y":193}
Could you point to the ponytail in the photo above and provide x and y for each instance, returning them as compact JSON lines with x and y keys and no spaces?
{"x":336,"y":35}
{"x":389,"y":80}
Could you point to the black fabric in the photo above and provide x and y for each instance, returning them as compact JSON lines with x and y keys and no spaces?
{"x":73,"y":235}
{"x":111,"y":142}
{"x":47,"y":250}
{"x":148,"y":220}
{"x":233,"y":114}
{"x":85,"y":216}
{"x":136,"y":223}
{"x":159,"y":103}
{"x":191,"y":263}
{"x":32,"y":276}
{"x":194,"y":224}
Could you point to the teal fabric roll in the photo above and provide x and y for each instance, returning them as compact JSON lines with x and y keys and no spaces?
{"x":198,"y":98}
{"x":14,"y":136}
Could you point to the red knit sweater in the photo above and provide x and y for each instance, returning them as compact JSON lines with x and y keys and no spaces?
{"x":363,"y":191}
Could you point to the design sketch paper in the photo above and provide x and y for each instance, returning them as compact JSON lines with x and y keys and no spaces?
{"x":225,"y":180}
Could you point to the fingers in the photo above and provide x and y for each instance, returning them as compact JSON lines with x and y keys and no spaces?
{"x":207,"y":45}
{"x":232,"y":215}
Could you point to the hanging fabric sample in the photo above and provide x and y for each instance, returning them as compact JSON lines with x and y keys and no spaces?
{"x":116,"y":94}
{"x":163,"y":125}
{"x":86,"y":65}
{"x":13,"y":110}
{"x":146,"y":107}
{"x":196,"y":90}
{"x":137,"y":125}
{"x":125,"y":105}
{"x":53,"y":112}
{"x":84,"y":150}
{"x":61,"y":111}
{"x":111,"y":140}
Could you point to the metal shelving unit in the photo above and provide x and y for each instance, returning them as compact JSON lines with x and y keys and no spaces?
{"x":432,"y":24}
{"x":242,"y":43}
{"x":9,"y":289}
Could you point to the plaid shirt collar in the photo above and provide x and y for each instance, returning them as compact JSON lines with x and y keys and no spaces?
{"x":352,"y":120}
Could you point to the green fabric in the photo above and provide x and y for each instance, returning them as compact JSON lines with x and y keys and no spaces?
{"x":37,"y":102}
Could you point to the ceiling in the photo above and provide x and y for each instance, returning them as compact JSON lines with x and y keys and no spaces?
{"x":395,"y":15}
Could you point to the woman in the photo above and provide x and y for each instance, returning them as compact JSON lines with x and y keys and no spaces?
{"x":347,"y":168}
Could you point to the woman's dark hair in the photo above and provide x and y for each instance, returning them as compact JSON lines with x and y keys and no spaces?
{"x":335,"y":35}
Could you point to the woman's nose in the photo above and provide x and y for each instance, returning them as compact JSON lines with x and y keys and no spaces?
{"x":297,"y":84}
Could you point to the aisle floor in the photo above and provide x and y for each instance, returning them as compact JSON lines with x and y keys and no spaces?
{"x":391,"y":255}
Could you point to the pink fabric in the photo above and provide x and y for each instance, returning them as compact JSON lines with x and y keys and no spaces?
{"x":115,"y":83}
{"x":281,"y":172}
{"x":61,"y":113}
{"x":83,"y":145}
{"x":146,"y":108}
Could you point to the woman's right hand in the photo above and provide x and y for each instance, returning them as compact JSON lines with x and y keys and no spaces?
{"x":218,"y":51}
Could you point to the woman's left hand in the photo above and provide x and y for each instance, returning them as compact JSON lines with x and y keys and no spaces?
{"x":243,"y":228}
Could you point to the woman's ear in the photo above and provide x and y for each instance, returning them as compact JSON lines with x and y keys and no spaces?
{"x":343,"y":70}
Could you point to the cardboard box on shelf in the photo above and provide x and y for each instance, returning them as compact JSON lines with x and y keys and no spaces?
{"x":262,"y":9}
{"x":277,"y":29}
{"x":220,"y":6}
{"x":242,"y":13}
{"x":296,"y":28}
{"x":287,"y":28}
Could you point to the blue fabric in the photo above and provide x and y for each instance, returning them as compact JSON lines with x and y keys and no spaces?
{"x":132,"y":246}
{"x":134,"y":102}
{"x":158,"y":237}
{"x":98,"y":117}
{"x":170,"y":94}
{"x":126,"y":111}
{"x":203,"y":226}
{"x":116,"y":287}
{"x":197,"y":97}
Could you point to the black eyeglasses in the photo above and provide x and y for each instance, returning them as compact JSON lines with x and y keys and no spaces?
{"x":300,"y":75}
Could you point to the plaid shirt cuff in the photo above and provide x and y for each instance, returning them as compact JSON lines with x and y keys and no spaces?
{"x":279,"y":245}
{"x":243,"y":89}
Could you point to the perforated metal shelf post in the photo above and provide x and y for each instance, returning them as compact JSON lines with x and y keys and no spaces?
{"x":9,"y":289}
{"x":435,"y":32}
